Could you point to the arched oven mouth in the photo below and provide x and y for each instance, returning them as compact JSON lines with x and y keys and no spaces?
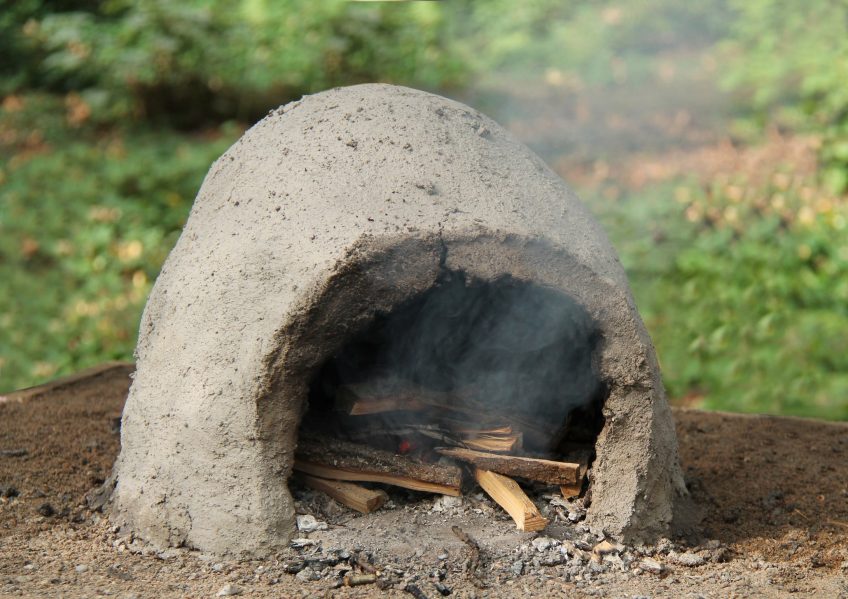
{"x":490,"y":383}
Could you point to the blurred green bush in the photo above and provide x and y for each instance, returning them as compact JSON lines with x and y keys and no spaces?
{"x":744,"y":289}
{"x":788,"y":61}
{"x":200,"y":61}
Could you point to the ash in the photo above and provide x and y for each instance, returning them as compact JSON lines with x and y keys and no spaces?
{"x":411,"y":545}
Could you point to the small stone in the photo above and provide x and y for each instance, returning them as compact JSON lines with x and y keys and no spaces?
{"x":8,"y":491}
{"x":552,"y":559}
{"x":517,"y":568}
{"x":228,"y":590}
{"x":218,"y":567}
{"x":307,"y":575}
{"x":303,"y":542}
{"x":294,"y":566}
{"x":544,"y":543}
{"x":446,"y":502}
{"x":308,"y":523}
{"x":688,"y":559}
{"x":80,"y":569}
{"x":651,"y":565}
{"x":605,"y":547}
{"x":559,"y":501}
{"x":46,"y":510}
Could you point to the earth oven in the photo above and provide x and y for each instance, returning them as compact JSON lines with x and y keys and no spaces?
{"x":381,"y":238}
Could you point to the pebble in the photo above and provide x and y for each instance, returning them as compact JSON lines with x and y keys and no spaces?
{"x":46,"y":510}
{"x":544,"y":543}
{"x":81,"y":568}
{"x":219,"y":567}
{"x":8,"y":491}
{"x":446,"y":502}
{"x":651,"y":565}
{"x":517,"y":568}
{"x":604,"y":548}
{"x":307,"y":575}
{"x":688,"y":559}
{"x":308,"y":523}
{"x":228,"y":590}
{"x":294,"y":566}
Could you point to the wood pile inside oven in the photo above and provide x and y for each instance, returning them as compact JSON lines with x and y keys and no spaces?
{"x":393,"y":433}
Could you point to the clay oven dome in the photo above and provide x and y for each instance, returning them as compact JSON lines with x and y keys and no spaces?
{"x":327,"y":214}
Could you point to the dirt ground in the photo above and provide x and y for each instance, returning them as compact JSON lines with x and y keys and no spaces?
{"x":773,"y":493}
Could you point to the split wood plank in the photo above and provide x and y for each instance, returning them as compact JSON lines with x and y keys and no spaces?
{"x":487,"y":443}
{"x":337,"y":459}
{"x":353,"y":496}
{"x":330,"y":472}
{"x":547,"y":471}
{"x":378,"y":396}
{"x":511,"y":498}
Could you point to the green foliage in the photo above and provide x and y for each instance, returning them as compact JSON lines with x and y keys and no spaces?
{"x":744,"y":291}
{"x":200,"y":61}
{"x":84,"y":229}
{"x":789,"y":62}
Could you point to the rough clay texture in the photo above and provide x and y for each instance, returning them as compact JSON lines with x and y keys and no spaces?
{"x":328,"y":210}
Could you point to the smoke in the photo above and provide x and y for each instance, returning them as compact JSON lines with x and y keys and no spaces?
{"x":515,"y":347}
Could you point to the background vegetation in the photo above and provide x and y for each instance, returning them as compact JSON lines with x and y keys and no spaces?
{"x":112,"y":111}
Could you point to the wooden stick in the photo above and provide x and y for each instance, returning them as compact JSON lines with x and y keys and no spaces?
{"x":353,"y":496}
{"x":547,"y":471}
{"x":511,"y":498}
{"x":327,"y":457}
{"x":324,"y":471}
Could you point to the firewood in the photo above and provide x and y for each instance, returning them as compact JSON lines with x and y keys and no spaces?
{"x":546,"y":471}
{"x":511,"y":498}
{"x":353,"y":496}
{"x":493,"y":442}
{"x":336,"y":459}
{"x":342,"y":474}
{"x":375,"y":397}
{"x":390,"y":395}
{"x":581,"y":458}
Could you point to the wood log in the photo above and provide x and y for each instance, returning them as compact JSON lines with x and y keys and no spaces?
{"x":546,"y":471}
{"x":336,"y":459}
{"x":511,"y":498}
{"x":353,"y":496}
